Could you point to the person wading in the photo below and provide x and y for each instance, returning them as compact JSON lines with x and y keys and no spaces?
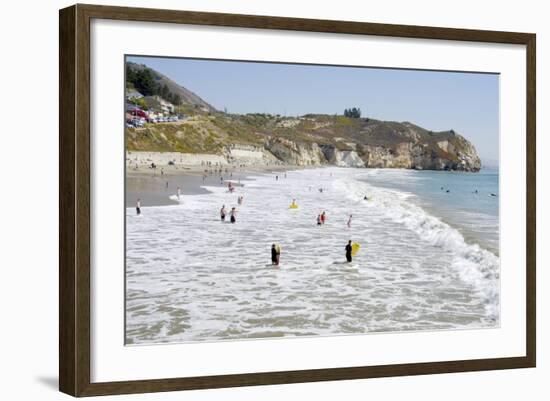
{"x":348,"y":252}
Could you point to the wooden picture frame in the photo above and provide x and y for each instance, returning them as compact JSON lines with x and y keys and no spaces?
{"x":74,"y":200}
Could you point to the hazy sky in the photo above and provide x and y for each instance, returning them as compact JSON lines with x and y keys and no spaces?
{"x":465,"y":102}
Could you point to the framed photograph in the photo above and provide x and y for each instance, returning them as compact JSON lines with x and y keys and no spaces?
{"x":250,"y":200}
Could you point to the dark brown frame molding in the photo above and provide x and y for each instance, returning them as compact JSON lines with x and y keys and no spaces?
{"x":74,"y":199}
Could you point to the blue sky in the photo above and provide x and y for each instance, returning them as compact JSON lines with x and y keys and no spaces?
{"x":465,"y":102}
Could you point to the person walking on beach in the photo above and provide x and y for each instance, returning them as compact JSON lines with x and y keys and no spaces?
{"x":222,"y":213}
{"x":348,"y":251}
{"x":138,"y":206}
{"x":233,"y":215}
{"x":323,"y":217}
{"x":349,"y":221}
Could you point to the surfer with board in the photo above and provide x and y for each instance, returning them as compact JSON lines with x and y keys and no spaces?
{"x":275,"y":254}
{"x":348,"y":252}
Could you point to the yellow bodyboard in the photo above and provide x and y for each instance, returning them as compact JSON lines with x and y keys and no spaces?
{"x":293,"y":206}
{"x":355,"y":248}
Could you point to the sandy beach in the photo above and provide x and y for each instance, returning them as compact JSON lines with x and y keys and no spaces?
{"x":190,"y":173}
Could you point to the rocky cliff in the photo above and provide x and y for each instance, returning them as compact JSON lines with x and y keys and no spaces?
{"x":309,"y":140}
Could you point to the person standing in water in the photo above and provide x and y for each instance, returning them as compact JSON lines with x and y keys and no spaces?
{"x":240,"y":200}
{"x":233,"y":215}
{"x":273,"y":255}
{"x":348,"y":252}
{"x":278,"y":249}
{"x":323,"y":217}
{"x":319,"y":220}
{"x":222,"y":213}
{"x":138,"y":207}
{"x":349,"y":221}
{"x":179,"y":193}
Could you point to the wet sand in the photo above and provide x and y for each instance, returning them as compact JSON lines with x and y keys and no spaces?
{"x":154,"y":187}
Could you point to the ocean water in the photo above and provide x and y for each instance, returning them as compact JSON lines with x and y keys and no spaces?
{"x":474,"y":214}
{"x":428,"y":259}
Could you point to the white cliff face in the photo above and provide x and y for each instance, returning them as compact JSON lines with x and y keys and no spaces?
{"x":248,"y":154}
{"x":290,"y":152}
{"x":342,"y":158}
{"x":348,"y":158}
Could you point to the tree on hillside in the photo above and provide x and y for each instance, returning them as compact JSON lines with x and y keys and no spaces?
{"x":140,"y":103}
{"x":174,"y":99}
{"x":164,"y":91}
{"x":145,"y":82}
{"x":354,"y":112}
{"x":130,"y":74}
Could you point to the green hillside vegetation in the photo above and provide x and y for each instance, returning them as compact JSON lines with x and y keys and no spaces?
{"x":204,"y":133}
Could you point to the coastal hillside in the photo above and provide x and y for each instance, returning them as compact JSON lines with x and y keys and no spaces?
{"x":313,"y":139}
{"x":147,"y":80}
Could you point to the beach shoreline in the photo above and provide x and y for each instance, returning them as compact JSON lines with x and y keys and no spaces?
{"x":154,"y":186}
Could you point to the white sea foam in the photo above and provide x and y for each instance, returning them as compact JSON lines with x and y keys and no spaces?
{"x":191,"y":277}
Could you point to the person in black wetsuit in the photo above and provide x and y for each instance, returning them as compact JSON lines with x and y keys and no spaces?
{"x":273,"y":254}
{"x":348,"y":251}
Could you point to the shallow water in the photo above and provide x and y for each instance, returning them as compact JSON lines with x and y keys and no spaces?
{"x":191,"y":277}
